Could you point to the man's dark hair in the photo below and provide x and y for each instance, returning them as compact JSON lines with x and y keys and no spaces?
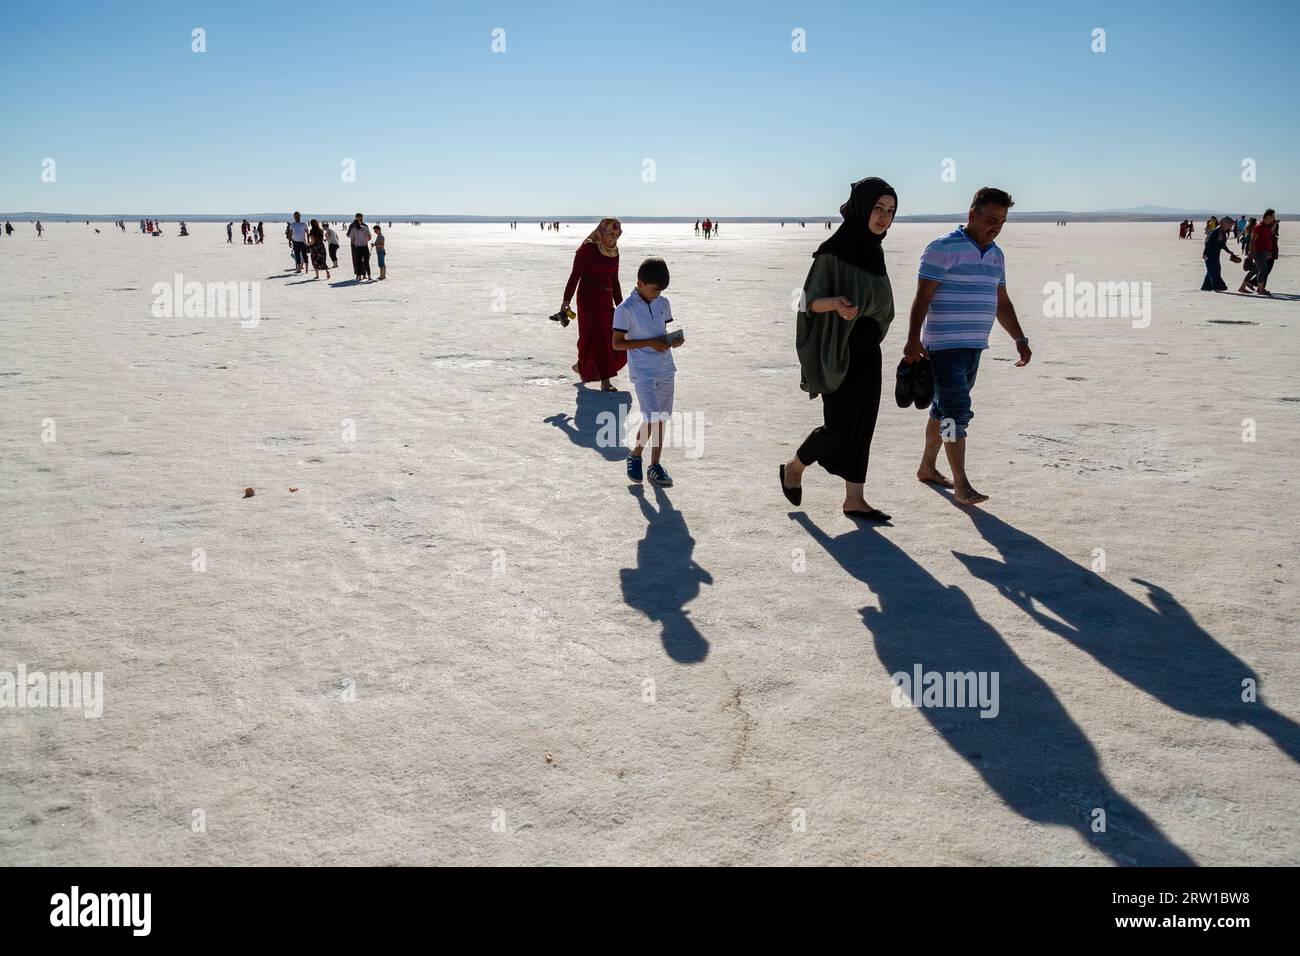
{"x":988,"y":194}
{"x":654,"y":271}
{"x":1270,"y":212}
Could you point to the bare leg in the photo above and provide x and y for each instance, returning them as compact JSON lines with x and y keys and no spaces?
{"x":794,"y":472}
{"x":853,"y":497}
{"x":929,"y":472}
{"x":964,"y":493}
{"x":649,"y":433}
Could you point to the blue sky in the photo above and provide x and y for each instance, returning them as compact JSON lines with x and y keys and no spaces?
{"x":560,"y":123}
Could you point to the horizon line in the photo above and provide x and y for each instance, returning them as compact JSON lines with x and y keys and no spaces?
{"x":1109,"y":215}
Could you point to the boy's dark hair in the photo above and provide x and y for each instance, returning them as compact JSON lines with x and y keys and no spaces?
{"x":989,"y":194}
{"x":1270,"y":212}
{"x":654,"y":271}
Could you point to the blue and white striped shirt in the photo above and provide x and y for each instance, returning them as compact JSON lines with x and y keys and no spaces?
{"x":965,"y":305}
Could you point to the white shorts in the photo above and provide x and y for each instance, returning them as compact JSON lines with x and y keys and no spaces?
{"x":655,"y":396}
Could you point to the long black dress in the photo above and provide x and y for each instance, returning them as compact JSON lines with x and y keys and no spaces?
{"x":842,"y":445}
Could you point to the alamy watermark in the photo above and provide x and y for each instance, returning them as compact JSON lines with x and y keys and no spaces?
{"x":208,"y":300}
{"x":58,"y":689}
{"x":680,"y":430}
{"x":1098,"y":300}
{"x":945,"y":689}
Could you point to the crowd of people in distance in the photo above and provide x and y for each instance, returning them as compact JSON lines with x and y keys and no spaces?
{"x":1257,"y":239}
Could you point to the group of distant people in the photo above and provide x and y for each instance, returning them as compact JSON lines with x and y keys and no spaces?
{"x":1258,"y":240}
{"x":252,"y":235}
{"x":311,"y":242}
{"x":708,"y":226}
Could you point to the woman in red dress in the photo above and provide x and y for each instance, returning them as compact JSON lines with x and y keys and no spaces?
{"x":595,"y":276}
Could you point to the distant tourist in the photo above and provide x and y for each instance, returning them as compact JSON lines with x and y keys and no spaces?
{"x":332,"y":241}
{"x":359,"y":235}
{"x":298,"y":234}
{"x":379,"y":251}
{"x":1263,"y":249}
{"x":230,"y":232}
{"x":316,"y":249}
{"x":1216,"y":242}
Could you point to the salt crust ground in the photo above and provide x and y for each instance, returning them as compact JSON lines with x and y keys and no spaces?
{"x":474,"y":568}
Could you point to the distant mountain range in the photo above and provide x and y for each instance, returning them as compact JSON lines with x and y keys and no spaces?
{"x":1133,"y":214}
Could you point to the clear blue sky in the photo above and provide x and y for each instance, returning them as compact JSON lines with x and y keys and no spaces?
{"x":736,"y":123}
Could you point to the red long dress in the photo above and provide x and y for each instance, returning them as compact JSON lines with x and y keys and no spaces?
{"x":595,"y":276}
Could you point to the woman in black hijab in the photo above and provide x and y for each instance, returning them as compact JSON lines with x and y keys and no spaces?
{"x":847,"y":305}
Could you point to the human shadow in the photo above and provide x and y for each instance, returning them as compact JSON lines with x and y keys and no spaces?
{"x":1158,"y":648}
{"x":666,"y":578}
{"x":598,"y":422}
{"x":1029,"y":750}
{"x":341,"y":283}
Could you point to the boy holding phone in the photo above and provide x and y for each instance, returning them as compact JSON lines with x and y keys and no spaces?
{"x":640,"y":330}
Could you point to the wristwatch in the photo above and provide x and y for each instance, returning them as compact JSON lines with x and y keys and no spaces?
{"x":1022,"y":340}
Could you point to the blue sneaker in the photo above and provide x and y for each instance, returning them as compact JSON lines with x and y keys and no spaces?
{"x":634,"y":469}
{"x":659,"y":476}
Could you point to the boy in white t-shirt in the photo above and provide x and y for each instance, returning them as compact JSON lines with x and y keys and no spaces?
{"x":640,"y":329}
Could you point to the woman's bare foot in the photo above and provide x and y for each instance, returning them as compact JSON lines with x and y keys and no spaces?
{"x":966,"y":495}
{"x":931,"y":476}
{"x":793,"y":473}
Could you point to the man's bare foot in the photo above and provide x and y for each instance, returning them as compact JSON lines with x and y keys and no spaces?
{"x":931,"y":476}
{"x":575,"y":370}
{"x":966,"y":495}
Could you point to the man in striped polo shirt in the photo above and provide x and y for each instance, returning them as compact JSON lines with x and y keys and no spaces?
{"x":961,"y":290}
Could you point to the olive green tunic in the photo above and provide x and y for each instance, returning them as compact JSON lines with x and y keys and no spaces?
{"x":822,"y":338}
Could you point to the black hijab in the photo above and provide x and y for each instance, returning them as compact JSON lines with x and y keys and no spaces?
{"x":853,"y":241}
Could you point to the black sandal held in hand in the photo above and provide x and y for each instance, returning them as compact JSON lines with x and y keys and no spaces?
{"x":792,"y":495}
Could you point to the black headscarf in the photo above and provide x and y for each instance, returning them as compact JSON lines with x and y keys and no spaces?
{"x":853,"y":241}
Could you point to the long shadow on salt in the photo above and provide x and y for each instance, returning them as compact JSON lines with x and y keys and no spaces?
{"x":597,"y":422}
{"x":1159,"y":649}
{"x":666,"y":578}
{"x":1032,"y":753}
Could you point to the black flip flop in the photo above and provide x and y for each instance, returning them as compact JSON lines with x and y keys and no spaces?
{"x":875,"y":514}
{"x":792,"y":495}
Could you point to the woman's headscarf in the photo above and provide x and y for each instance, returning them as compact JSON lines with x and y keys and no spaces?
{"x":853,"y":241}
{"x":599,"y":238}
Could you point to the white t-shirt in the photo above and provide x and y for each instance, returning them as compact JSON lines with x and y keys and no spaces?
{"x":359,"y":233}
{"x":331,"y":236}
{"x":299,"y":231}
{"x":645,"y":320}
